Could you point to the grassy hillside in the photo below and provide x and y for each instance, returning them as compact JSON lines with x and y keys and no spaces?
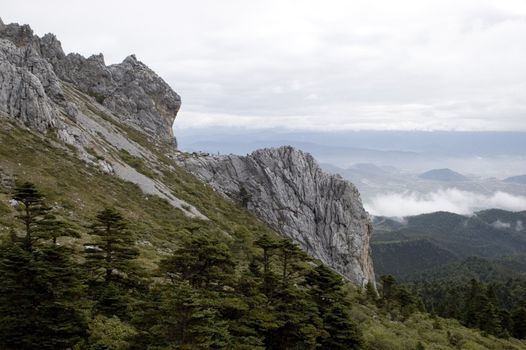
{"x":77,"y":191}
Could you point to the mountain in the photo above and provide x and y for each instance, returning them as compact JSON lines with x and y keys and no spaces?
{"x":519,"y":179}
{"x":195,"y":269}
{"x":83,"y":99}
{"x":442,"y":175}
{"x":491,"y":234}
{"x":406,"y":257}
{"x":287,"y":189}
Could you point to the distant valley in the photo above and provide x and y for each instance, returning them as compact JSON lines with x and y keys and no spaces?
{"x":417,"y":244}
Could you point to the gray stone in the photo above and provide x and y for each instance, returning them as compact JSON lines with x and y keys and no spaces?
{"x":131,"y":90}
{"x":287,"y":189}
{"x":22,"y":92}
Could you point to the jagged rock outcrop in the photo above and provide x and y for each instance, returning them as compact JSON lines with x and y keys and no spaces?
{"x":129,"y":89}
{"x":22,"y":90}
{"x":287,"y":189}
{"x":86,"y":104}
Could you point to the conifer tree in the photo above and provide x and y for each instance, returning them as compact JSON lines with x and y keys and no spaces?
{"x":268,"y":245}
{"x":519,"y":322}
{"x":40,"y":298}
{"x":297,"y":315}
{"x":202,"y":260}
{"x":110,"y":259}
{"x":113,"y":252}
{"x":185,"y":322}
{"x":339,"y":330}
{"x":38,"y":219}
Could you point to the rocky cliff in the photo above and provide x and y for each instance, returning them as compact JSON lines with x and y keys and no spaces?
{"x":119,"y":118}
{"x":287,"y":189}
{"x":37,"y":68}
{"x":90,"y":106}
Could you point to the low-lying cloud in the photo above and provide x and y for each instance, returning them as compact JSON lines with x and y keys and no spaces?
{"x":451,"y":199}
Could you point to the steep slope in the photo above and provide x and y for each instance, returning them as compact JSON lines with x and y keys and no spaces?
{"x":118,"y":118}
{"x":84,"y":155}
{"x":287,"y":189}
{"x":33,"y":94}
{"x":130,"y":89}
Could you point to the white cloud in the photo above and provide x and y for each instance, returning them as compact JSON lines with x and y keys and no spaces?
{"x":451,"y":199}
{"x":499,"y":224}
{"x":408,"y":64}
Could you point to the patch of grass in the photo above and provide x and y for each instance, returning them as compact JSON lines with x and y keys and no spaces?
{"x":136,"y":162}
{"x":381,"y":333}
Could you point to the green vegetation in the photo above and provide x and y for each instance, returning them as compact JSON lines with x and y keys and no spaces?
{"x":195,"y":300}
{"x":478,"y":293}
{"x":136,"y":162}
{"x":141,"y":275}
{"x":408,"y":257}
{"x":433,"y":240}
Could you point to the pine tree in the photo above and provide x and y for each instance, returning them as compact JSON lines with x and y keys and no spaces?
{"x":296,"y":313}
{"x":113,"y":253}
{"x":110,"y":259}
{"x":290,"y":256}
{"x":40,"y":297}
{"x":62,"y":323}
{"x":202,"y":260}
{"x":519,"y":322}
{"x":473,"y":305}
{"x":184,"y":322}
{"x":339,"y":330}
{"x":39,"y":222}
{"x":268,"y":245}
{"x":370,"y":292}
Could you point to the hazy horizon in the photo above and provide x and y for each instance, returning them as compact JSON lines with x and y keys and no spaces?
{"x":380,"y":65}
{"x":415,"y":85}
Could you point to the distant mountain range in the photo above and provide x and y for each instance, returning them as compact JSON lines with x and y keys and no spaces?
{"x":447,"y":175}
{"x":485,"y":154}
{"x":520,"y":179}
{"x":411,"y":246}
{"x":429,"y":191}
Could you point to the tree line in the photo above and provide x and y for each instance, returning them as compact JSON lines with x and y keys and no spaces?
{"x":199,"y":297}
{"x":497,"y":308}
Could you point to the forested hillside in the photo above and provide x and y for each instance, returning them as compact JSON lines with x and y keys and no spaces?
{"x":106,"y":266}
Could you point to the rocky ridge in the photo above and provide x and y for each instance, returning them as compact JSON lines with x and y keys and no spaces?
{"x":287,"y":189}
{"x":97,"y":108}
{"x":130,"y":90}
{"x":89,"y":105}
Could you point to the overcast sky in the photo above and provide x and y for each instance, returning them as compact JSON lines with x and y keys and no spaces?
{"x":325,"y":65}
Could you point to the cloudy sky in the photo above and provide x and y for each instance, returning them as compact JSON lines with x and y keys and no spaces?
{"x":324,"y":65}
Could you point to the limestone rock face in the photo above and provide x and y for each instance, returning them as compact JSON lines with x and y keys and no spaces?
{"x":287,"y":189}
{"x":90,"y":106}
{"x":129,"y":89}
{"x":24,"y":79}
